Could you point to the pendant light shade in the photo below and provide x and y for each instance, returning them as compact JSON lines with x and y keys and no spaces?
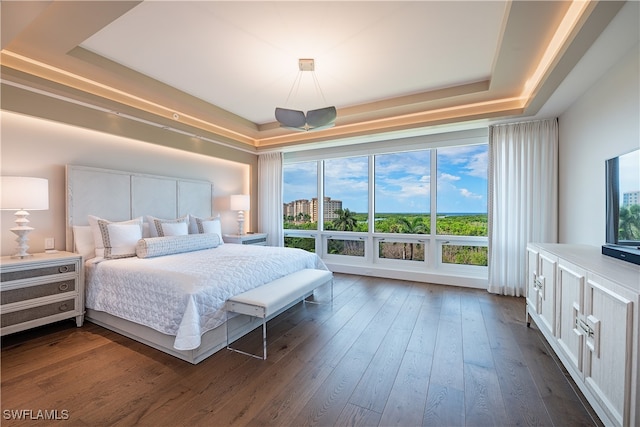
{"x":290,"y":118}
{"x":320,"y":118}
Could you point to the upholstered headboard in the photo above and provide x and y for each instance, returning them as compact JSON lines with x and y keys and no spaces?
{"x":118,"y":196}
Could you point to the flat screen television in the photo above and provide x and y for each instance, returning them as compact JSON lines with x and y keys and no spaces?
{"x":623,"y":207}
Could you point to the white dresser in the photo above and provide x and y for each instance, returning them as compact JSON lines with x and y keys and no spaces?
{"x":587,"y":306}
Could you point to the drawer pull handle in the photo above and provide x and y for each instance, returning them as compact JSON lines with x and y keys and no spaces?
{"x":63,"y":286}
{"x":63,"y":307}
{"x":63,"y":269}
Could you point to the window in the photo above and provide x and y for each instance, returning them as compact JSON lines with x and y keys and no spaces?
{"x":346,"y":189}
{"x":402,"y":192}
{"x":300,"y":195}
{"x":345,"y":247}
{"x":462,"y":201}
{"x":464,"y":254}
{"x":629,"y":198}
{"x":420,"y":210}
{"x":401,"y":250}
{"x":301,"y":242}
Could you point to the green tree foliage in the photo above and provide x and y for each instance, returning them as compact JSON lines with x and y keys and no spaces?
{"x":306,"y":243}
{"x":346,"y":220}
{"x":629,"y":226}
{"x":462,"y":225}
{"x":403,"y":223}
{"x":465,"y":255}
{"x":452,"y":225}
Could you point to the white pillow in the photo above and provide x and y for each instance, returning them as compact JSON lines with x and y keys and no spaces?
{"x":145,"y":230}
{"x":174,"y":229}
{"x":155,"y":224}
{"x":206,"y":225}
{"x":168,"y":245}
{"x":119,"y":239}
{"x":83,"y":241}
{"x":97,"y":234}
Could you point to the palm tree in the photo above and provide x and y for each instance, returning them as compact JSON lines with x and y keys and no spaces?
{"x":346,"y":220}
{"x":415,"y":225}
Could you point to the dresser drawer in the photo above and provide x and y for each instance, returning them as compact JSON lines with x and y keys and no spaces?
{"x":52,"y":270}
{"x":38,"y":291}
{"x":39,"y":312}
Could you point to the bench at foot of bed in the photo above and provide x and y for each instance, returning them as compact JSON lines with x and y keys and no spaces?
{"x":270,"y":299}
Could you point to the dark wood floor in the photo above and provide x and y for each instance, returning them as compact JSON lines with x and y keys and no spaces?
{"x":386,"y":353}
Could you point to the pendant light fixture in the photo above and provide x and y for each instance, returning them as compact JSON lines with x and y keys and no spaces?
{"x":321,"y":118}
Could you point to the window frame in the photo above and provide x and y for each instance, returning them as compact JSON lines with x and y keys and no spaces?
{"x":432,"y":242}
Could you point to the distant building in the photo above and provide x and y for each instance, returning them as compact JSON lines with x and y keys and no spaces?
{"x":330,"y":208}
{"x":631,"y":198}
{"x":298,"y":208}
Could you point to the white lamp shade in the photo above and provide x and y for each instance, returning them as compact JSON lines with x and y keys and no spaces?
{"x":24,"y":193}
{"x":239,"y":202}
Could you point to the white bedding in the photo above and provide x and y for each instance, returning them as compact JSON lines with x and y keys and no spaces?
{"x":183,"y":295}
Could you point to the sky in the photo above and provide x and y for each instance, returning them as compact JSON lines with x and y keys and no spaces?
{"x":629,"y":169}
{"x":402,"y":181}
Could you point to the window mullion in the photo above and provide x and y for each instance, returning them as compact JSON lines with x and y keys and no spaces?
{"x":372,"y":213}
{"x":433,"y":208}
{"x":320,"y":183}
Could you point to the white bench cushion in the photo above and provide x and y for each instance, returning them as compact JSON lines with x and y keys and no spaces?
{"x":277,"y":294}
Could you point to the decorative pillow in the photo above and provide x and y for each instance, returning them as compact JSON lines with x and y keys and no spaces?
{"x":83,"y":241}
{"x":97,"y":233}
{"x":174,"y":229}
{"x":205,"y":225}
{"x":119,"y":239}
{"x":145,"y":230}
{"x":156,"y":229}
{"x":158,"y":246}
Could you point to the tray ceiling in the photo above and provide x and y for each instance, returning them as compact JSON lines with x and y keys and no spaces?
{"x":219,"y":69}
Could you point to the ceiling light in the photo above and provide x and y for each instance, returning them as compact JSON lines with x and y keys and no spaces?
{"x":321,"y":118}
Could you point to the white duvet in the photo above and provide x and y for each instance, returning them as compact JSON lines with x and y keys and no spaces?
{"x":184,"y":294}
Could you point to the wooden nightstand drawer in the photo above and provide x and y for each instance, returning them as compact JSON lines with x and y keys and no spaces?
{"x":37,"y":272}
{"x":38,"y":291}
{"x":39,"y":312}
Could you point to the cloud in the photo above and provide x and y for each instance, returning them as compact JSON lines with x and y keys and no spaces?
{"x":402,"y":180}
{"x":469,"y":195}
{"x":448,"y":177}
{"x":477,"y":165}
{"x":470,"y":160}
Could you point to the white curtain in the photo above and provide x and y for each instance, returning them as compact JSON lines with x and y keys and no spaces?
{"x":270,"y":197}
{"x":523,"y":198}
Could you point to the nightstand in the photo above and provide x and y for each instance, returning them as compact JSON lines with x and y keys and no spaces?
{"x":41,"y":289}
{"x":246,"y":239}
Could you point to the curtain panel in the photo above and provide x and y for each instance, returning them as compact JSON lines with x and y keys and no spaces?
{"x":523,"y":198}
{"x":270,"y":197}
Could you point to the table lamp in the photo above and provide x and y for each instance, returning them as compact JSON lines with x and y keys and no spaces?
{"x":240,"y":203}
{"x":21,"y":194}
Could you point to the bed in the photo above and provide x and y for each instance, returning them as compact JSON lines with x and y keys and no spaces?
{"x":170,"y":294}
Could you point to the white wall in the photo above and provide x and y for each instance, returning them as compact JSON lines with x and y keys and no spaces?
{"x":603,"y":123}
{"x":40,"y":148}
